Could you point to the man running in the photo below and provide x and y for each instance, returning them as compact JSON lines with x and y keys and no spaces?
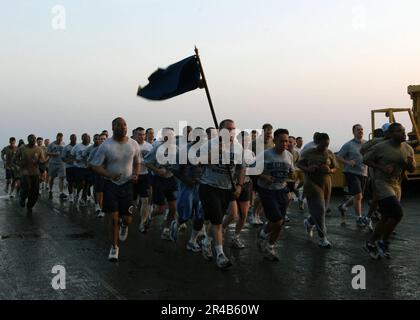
{"x":68,"y":159}
{"x":7,"y":155}
{"x":163,"y":181}
{"x":273,"y":191}
{"x":141,"y":189}
{"x":56,"y":165}
{"x":355,"y":172}
{"x":117,"y":159}
{"x":81,"y":173}
{"x":216,"y":188}
{"x":389,"y":159}
{"x":28,"y":158}
{"x":97,"y":180}
{"x":318,"y":164}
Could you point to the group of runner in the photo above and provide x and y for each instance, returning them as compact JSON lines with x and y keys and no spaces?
{"x":216,"y":183}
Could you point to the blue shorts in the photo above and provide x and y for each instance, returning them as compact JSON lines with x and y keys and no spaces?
{"x":9,"y":174}
{"x":188,"y":202}
{"x":142,"y":187}
{"x":356,"y":183}
{"x":275,"y":203}
{"x":99,"y":183}
{"x":118,"y":198}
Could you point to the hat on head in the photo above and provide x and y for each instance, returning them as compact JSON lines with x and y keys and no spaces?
{"x":385,"y":127}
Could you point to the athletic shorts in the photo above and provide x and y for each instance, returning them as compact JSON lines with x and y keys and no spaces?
{"x":56,"y":170}
{"x":291,"y":186}
{"x":356,"y":183}
{"x":81,"y":174}
{"x":188,"y":203}
{"x":99,"y":183}
{"x":164,"y":188}
{"x":71,"y":174}
{"x":10,"y":174}
{"x":275,"y":203}
{"x":90,"y":176}
{"x":142,"y":187}
{"x":390,"y":207}
{"x":246,"y":192}
{"x":215,"y":202}
{"x":118,"y":198}
{"x":254,"y":180}
{"x":42,"y":168}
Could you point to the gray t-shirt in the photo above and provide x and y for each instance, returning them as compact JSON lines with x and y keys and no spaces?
{"x":90,"y":152}
{"x":66,"y":154}
{"x":351,"y":151}
{"x":54,"y":147}
{"x":78,"y":152}
{"x":279,"y":166}
{"x":216,"y":175}
{"x":145,"y":148}
{"x":151,"y":159}
{"x":118,"y":158}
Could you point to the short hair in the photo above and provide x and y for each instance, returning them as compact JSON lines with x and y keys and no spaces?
{"x":254,"y":131}
{"x":73,"y":135}
{"x":114,"y":122}
{"x":96,"y":136}
{"x":59,"y":134}
{"x":292,"y":137}
{"x":323,"y":137}
{"x":148,"y":129}
{"x":31,"y":135}
{"x":267,"y":126}
{"x":224,"y":122}
{"x":39,"y":138}
{"x":299,"y":138}
{"x":378,"y":133}
{"x":138,"y":129}
{"x":280,"y":131}
{"x":316,"y":137}
{"x":394,"y":126}
{"x":11,"y":139}
{"x":355,"y":126}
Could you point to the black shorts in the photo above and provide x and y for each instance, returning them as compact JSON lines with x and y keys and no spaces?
{"x":275,"y":203}
{"x":164,"y":188}
{"x":356,"y":183}
{"x":71,"y":174}
{"x":10,"y":174}
{"x":118,"y":198}
{"x":99,"y":183}
{"x":42,"y":168}
{"x":291,"y":186}
{"x":90,"y":176}
{"x":142,"y":187}
{"x":215,"y":202}
{"x":254,"y":180}
{"x":81,"y":175}
{"x":390,"y":207}
{"x":246,"y":192}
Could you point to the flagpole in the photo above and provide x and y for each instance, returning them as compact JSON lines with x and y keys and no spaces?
{"x":216,"y":124}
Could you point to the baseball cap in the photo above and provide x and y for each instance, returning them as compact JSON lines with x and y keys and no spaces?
{"x":385,"y":127}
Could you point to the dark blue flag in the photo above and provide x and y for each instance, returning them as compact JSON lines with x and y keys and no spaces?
{"x":177,"y":79}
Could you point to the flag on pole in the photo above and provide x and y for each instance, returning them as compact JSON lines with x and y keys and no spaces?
{"x":176,"y":79}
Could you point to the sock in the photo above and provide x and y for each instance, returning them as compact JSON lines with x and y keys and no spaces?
{"x":219,"y":249}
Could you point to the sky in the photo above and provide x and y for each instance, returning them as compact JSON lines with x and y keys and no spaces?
{"x":303,"y":65}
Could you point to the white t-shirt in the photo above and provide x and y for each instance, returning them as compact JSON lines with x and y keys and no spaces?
{"x":78,"y":152}
{"x":118,"y":158}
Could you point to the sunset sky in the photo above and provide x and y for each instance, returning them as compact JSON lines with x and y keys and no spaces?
{"x":302,"y":65}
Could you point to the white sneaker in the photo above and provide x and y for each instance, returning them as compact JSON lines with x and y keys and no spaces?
{"x":237,"y":243}
{"x":97,"y":208}
{"x":252,"y":220}
{"x":271,"y":254}
{"x":101,"y":214}
{"x":82,"y":203}
{"x":259,"y":221}
{"x":324,"y":243}
{"x":113,"y":253}
{"x":309,"y":228}
{"x":71,"y":198}
{"x":123,"y":232}
{"x":193,"y":246}
{"x":165,"y":234}
{"x":223,"y":262}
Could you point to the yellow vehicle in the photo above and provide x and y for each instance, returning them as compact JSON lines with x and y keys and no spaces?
{"x":392,"y":115}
